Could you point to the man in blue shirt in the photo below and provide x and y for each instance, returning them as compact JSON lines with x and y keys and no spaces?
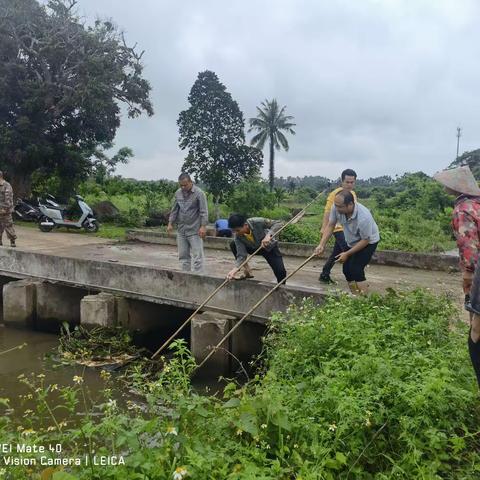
{"x":221,"y":228}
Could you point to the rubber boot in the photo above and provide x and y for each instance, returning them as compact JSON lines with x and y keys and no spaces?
{"x":474,"y":349}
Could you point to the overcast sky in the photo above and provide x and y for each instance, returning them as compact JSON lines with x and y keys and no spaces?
{"x":375,"y":85}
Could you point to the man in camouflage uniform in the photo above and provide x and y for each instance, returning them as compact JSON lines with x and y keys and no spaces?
{"x":6,"y":209}
{"x":466,"y":226}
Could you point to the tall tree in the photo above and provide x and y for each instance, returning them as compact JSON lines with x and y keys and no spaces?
{"x":61,"y":87}
{"x":212,"y":129}
{"x":269,"y":123}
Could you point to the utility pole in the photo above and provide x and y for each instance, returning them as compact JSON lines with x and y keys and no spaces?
{"x":459,"y":134}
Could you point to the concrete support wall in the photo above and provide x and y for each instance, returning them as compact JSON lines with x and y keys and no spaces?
{"x":207,"y":330}
{"x":35,"y":304}
{"x":19,"y":303}
{"x":57,"y":304}
{"x":98,"y":310}
{"x":246,"y":343}
{"x":4,"y":281}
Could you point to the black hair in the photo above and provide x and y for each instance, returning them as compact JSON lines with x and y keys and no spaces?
{"x":184,"y":176}
{"x":236,"y":220}
{"x":349,"y":173}
{"x":347,"y":196}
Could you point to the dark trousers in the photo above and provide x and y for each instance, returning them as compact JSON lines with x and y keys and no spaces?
{"x":354,"y":267}
{"x":339,"y":247}
{"x":472,"y":304}
{"x":225,"y":232}
{"x":472,"y":301}
{"x":273,"y":257}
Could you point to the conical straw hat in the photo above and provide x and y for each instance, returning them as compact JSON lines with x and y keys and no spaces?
{"x":459,"y":179}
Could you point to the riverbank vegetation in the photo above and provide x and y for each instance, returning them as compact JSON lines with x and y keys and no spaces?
{"x":377,"y":387}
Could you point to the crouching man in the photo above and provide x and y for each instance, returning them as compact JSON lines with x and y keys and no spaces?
{"x":250,"y":234}
{"x":361,"y":234}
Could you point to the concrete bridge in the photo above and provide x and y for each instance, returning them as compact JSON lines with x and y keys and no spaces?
{"x":54,"y":277}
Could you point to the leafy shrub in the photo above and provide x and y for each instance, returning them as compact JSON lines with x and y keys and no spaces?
{"x":298,"y":233}
{"x":133,"y":217}
{"x":411,"y":231}
{"x":156,"y":203}
{"x":280,"y":213}
{"x":223,"y":210}
{"x":305,"y":194}
{"x":250,"y":197}
{"x":378,"y":387}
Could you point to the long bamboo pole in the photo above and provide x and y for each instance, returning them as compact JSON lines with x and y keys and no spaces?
{"x":187,"y":321}
{"x":252,"y":310}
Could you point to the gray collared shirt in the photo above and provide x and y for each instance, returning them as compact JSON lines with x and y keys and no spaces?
{"x":360,"y":226}
{"x":189,"y":211}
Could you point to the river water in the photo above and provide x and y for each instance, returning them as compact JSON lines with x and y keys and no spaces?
{"x":36,"y":358}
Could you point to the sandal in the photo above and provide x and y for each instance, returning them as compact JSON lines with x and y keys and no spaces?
{"x":243,"y":276}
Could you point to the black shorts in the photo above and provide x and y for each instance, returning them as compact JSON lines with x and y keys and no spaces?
{"x":354,"y":267}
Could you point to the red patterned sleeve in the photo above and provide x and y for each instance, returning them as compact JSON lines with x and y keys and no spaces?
{"x":467,"y":236}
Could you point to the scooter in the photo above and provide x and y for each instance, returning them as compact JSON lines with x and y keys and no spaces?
{"x":26,"y":211}
{"x":54,"y":215}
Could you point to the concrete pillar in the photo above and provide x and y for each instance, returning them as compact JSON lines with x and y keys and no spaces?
{"x":151,"y":323}
{"x":57,"y":304}
{"x":246,"y":342}
{"x":207,"y":330}
{"x":98,"y":310}
{"x":122,"y":311}
{"x":19,"y":302}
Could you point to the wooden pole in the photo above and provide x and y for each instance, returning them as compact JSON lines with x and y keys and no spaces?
{"x":252,"y":310}
{"x":187,"y":321}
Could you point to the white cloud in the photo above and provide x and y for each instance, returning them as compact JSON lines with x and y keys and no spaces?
{"x":377,"y":85}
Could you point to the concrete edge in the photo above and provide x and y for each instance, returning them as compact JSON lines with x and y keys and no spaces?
{"x":393,"y":258}
{"x":98,"y":276}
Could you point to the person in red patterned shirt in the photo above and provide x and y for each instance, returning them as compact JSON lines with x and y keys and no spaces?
{"x":466,"y":226}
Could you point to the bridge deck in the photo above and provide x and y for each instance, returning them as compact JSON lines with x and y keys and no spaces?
{"x":84,"y":255}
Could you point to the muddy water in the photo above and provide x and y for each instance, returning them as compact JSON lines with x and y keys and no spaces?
{"x":36,"y":358}
{"x":32,"y":359}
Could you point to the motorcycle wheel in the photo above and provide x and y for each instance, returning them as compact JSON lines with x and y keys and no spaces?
{"x":91,"y":227}
{"x":44,"y":228}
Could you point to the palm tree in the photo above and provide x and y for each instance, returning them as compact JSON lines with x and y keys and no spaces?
{"x":269,"y":122}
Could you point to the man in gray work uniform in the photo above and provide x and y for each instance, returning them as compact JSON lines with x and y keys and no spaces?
{"x":190,"y":213}
{"x":6,"y":209}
